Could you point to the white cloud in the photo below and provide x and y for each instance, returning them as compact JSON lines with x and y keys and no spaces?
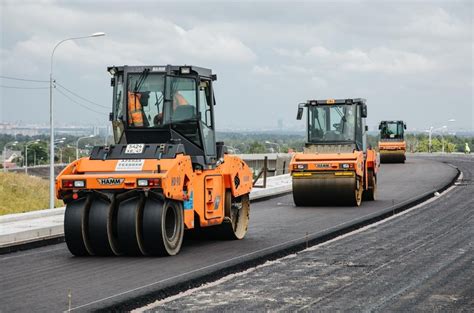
{"x":208,"y":45}
{"x":263,"y":70}
{"x":319,"y":82}
{"x":378,"y":59}
{"x":131,"y":37}
{"x":438,"y":23}
{"x":293,"y":53}
{"x":318,"y":51}
{"x":278,"y":52}
{"x":384,"y":60}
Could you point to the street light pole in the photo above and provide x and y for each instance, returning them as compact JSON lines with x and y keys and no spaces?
{"x":51,"y":118}
{"x":26,"y":154}
{"x":275,"y":144}
{"x":442,"y":138}
{"x":77,"y":145}
{"x":429,"y":141}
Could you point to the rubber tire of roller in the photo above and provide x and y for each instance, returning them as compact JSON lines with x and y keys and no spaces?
{"x":75,"y":224}
{"x":227,"y":230}
{"x":156,"y":237}
{"x":129,"y":226}
{"x":100,"y":227}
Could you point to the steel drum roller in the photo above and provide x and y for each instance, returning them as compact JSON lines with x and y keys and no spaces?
{"x":392,"y":156}
{"x":317,"y":190}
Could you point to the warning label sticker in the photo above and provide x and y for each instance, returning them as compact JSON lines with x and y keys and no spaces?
{"x":129,"y":165}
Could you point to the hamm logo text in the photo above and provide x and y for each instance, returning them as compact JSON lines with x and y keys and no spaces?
{"x":110,"y":181}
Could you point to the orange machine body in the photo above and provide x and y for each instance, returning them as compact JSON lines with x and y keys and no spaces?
{"x":392,"y":146}
{"x":335,"y":165}
{"x":201,"y":191}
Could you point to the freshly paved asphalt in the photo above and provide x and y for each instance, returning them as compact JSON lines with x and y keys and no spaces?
{"x":419,"y":261}
{"x":40,"y":279}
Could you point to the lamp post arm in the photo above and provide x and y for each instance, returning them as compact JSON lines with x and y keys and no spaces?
{"x":57,"y":45}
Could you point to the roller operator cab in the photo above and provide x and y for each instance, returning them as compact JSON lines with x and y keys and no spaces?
{"x":336,"y":167}
{"x":165,"y":173}
{"x":392,"y":145}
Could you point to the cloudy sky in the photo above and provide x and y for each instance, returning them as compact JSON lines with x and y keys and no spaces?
{"x":411,"y":60}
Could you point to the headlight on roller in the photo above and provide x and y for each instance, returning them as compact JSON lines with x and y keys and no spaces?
{"x":346,"y":166}
{"x":79,"y":183}
{"x":148,"y":182}
{"x":74,"y":183}
{"x":142,"y":182}
{"x":300,"y":166}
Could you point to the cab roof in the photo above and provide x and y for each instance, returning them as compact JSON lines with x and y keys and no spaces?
{"x":399,"y":121}
{"x":168,"y":69}
{"x":335,"y":101}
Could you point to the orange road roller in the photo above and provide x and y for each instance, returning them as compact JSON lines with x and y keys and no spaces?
{"x":336,"y":166}
{"x":164,"y":175}
{"x":392,"y":145}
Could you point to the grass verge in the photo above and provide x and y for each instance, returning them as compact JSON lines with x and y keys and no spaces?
{"x":22,"y":193}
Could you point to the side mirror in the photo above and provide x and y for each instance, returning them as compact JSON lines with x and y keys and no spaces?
{"x":300,"y":114}
{"x":380,"y":126}
{"x":111,"y":116}
{"x":366,"y":128}
{"x":405,"y":126}
{"x":363,"y":112}
{"x":112,"y":81}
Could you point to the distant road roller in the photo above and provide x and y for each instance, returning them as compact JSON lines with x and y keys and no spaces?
{"x":336,"y":166}
{"x":165,"y":173}
{"x":392,"y":145}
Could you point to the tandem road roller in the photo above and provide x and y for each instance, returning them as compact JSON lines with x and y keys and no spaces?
{"x":336,"y":166}
{"x":392,"y":145}
{"x":165,"y":173}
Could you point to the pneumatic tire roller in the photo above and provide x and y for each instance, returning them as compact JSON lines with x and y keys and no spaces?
{"x":164,"y":175}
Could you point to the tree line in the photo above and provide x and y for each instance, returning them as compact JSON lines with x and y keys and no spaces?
{"x":248,"y":142}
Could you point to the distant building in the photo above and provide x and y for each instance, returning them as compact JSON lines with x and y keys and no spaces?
{"x":10,"y":155}
{"x":35,"y":130}
{"x":280,"y":124}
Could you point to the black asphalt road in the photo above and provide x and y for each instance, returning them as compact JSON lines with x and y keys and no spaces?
{"x":420,"y":261}
{"x":40,"y":279}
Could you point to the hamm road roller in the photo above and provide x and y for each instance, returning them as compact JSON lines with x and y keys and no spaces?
{"x":165,"y":173}
{"x":392,"y":145}
{"x":336,"y":166}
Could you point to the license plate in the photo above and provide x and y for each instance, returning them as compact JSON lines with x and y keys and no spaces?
{"x":135,"y":148}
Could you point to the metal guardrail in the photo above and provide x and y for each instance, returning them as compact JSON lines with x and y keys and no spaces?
{"x":264,"y":170}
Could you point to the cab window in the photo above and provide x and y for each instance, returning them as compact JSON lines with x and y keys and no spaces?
{"x":206,"y":117}
{"x":183,"y":95}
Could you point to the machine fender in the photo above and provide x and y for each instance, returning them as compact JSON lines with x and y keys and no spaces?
{"x":177,"y":176}
{"x":237,"y":176}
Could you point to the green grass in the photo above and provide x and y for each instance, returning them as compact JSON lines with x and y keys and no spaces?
{"x":21,"y":193}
